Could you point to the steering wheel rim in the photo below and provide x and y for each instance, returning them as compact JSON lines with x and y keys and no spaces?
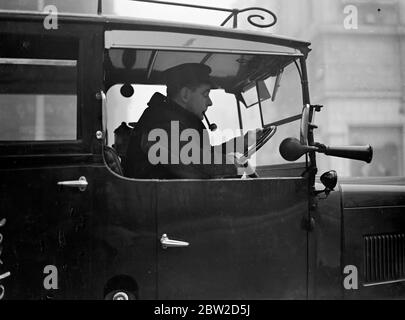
{"x":265,"y":136}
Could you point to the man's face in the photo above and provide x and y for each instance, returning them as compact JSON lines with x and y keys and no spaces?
{"x":199,"y":100}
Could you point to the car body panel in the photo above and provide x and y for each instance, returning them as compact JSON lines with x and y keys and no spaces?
{"x":359,"y":224}
{"x":243,"y":238}
{"x":124,"y":234}
{"x":46,"y":224}
{"x":373,"y":224}
{"x":325,"y":248}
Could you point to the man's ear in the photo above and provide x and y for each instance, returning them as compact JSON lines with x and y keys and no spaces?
{"x":184,"y":94}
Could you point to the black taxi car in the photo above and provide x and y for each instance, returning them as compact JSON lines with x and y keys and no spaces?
{"x":74,"y":227}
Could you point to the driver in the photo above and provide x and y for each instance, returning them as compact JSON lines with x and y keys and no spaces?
{"x":158,"y":149}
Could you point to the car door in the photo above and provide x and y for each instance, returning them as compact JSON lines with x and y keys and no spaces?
{"x":48,"y":154}
{"x":245,"y":238}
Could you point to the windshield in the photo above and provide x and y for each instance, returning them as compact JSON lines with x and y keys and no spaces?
{"x":287,"y":103}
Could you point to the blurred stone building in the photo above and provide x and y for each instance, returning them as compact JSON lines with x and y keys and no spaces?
{"x":89,"y":6}
{"x":357,"y":72}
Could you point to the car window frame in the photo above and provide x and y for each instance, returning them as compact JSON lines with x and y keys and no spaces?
{"x":86,"y":115}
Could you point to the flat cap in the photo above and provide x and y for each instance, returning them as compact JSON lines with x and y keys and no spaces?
{"x":188,"y":74}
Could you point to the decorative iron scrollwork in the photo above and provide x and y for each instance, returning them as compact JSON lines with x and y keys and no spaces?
{"x":255,"y":16}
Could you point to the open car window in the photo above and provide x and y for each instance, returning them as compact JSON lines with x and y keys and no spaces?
{"x":141,"y":71}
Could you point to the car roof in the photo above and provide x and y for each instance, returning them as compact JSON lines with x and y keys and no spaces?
{"x":111,"y":22}
{"x":250,"y":56}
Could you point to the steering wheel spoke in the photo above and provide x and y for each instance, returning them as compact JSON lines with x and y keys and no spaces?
{"x":265,"y":136}
{"x":261,"y":141}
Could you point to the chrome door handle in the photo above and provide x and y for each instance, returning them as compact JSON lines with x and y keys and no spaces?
{"x":81,"y":183}
{"x":168,"y":243}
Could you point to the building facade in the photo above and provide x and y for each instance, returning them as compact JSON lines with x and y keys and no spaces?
{"x":357,"y":71}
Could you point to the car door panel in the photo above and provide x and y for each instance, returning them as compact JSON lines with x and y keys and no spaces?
{"x":246,"y":239}
{"x":124,"y":235}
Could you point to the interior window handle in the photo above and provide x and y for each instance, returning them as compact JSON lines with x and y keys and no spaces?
{"x":81,"y":184}
{"x":168,"y":243}
{"x":2,"y":289}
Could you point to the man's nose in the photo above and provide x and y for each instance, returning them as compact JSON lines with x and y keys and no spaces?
{"x":209,"y":102}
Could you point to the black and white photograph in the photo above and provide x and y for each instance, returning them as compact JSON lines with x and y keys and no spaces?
{"x":201,"y":154}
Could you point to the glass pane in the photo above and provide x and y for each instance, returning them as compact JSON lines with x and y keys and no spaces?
{"x":130,"y":59}
{"x":38,"y":99}
{"x":37,"y":117}
{"x":250,"y":97}
{"x":89,"y":6}
{"x":288,"y":103}
{"x":168,"y":59}
{"x":228,"y":65}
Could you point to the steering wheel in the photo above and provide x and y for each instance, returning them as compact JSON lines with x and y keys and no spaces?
{"x":264,"y":136}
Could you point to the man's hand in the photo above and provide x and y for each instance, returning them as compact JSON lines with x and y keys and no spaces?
{"x":241,"y":144}
{"x":242,"y":165}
